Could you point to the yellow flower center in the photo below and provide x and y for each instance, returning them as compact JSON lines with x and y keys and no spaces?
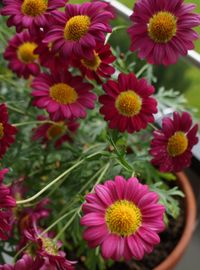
{"x":63,"y":93}
{"x":34,"y":7}
{"x":92,"y":64}
{"x":50,"y":246}
{"x":76,"y":27}
{"x":128,"y":103}
{"x":55,"y":130}
{"x":1,"y":131}
{"x":162,"y":27}
{"x":25,"y":52}
{"x":123,"y":218}
{"x":177,"y":144}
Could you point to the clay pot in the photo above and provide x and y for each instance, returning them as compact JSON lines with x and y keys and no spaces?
{"x":170,"y":262}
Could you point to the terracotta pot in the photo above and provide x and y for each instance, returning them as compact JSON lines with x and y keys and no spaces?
{"x":170,"y":262}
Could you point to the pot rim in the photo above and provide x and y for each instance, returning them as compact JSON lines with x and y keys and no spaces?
{"x":190,"y":220}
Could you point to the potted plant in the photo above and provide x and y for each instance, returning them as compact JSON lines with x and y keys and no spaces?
{"x":88,"y":173}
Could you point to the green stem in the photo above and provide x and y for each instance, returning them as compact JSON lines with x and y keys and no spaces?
{"x":33,"y":122}
{"x":51,"y":183}
{"x":57,"y":221}
{"x":140,"y":72}
{"x":57,"y":179}
{"x":67,"y":224}
{"x":79,"y":209}
{"x":15,"y":109}
{"x":153,"y":126}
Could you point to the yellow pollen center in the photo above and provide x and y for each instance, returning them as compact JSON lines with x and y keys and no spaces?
{"x":123,"y":218}
{"x":92,"y":64}
{"x":1,"y":131}
{"x":177,"y":144}
{"x":76,"y":27}
{"x":162,"y":27}
{"x":34,"y":8}
{"x":63,"y":93}
{"x":55,"y":130}
{"x":50,"y":246}
{"x":128,"y":103}
{"x":25,"y":52}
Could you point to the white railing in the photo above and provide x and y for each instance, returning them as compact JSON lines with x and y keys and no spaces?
{"x":124,"y":11}
{"x":193,"y":57}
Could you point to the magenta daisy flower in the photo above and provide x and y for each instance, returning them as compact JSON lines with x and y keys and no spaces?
{"x":49,"y":250}
{"x":21,"y":55}
{"x":50,"y":59}
{"x":61,"y":131}
{"x":79,"y":28}
{"x":26,"y":262}
{"x":162,"y":30}
{"x":171,"y":146}
{"x":123,"y":218}
{"x":7,"y":132}
{"x":30,"y":13}
{"x":108,"y":7}
{"x":127,"y":104}
{"x":7,"y":202}
{"x":62,"y":95}
{"x":99,"y":66}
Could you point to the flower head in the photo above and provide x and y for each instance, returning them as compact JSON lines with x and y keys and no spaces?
{"x":171,"y":146}
{"x":79,"y":28}
{"x":61,"y":131}
{"x":48,"y":249}
{"x":63,"y":96}
{"x":7,"y":202}
{"x":7,"y":131}
{"x":124,"y":218}
{"x":108,"y":8}
{"x":162,"y":30}
{"x":30,"y":13}
{"x":21,"y":55}
{"x":99,"y":66}
{"x":26,"y":262}
{"x":127,"y":104}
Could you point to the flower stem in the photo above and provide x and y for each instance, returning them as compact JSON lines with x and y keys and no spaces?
{"x":57,"y":179}
{"x":57,"y":221}
{"x":79,"y":208}
{"x":32,"y":123}
{"x":51,"y":183}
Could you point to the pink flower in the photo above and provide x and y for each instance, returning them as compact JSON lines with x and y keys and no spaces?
{"x":49,"y":250}
{"x":108,"y":7}
{"x":7,"y":202}
{"x":77,"y":30}
{"x":99,"y":66}
{"x":35,"y":214}
{"x":25,"y":263}
{"x":47,"y":57}
{"x":63,"y":96}
{"x":123,"y":218}
{"x":30,"y":217}
{"x":7,"y":131}
{"x":162,"y":30}
{"x":61,"y":131}
{"x":127,"y":104}
{"x":171,"y":146}
{"x":21,"y":55}
{"x":30,"y":13}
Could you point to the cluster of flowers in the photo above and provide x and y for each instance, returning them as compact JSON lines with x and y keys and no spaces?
{"x":124,"y":217}
{"x":42,"y":251}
